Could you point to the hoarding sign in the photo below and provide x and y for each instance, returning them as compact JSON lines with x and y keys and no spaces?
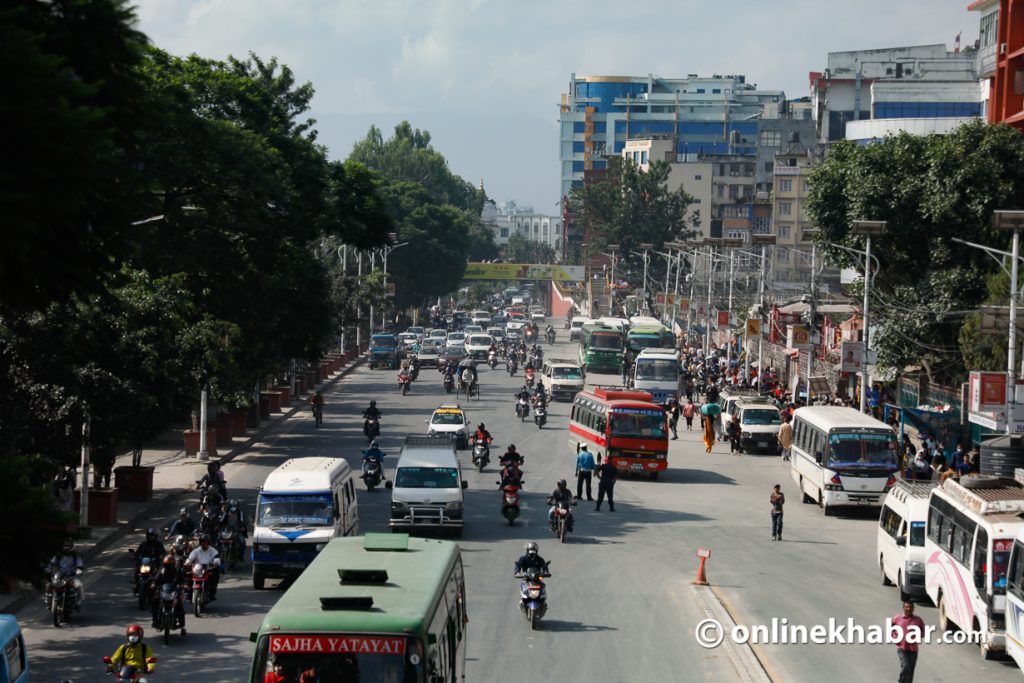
{"x":523,"y":271}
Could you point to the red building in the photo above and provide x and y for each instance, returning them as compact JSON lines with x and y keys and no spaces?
{"x":1006,"y":86}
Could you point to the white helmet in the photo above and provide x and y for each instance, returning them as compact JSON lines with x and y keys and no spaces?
{"x":531,"y":548}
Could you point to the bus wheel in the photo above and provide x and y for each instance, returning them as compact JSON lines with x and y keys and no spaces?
{"x":653,"y":475}
{"x":807,"y":500}
{"x":944,"y":623}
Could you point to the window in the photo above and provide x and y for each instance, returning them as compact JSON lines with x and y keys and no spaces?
{"x":980,"y":563}
{"x":700,"y":91}
{"x":770,"y":138}
{"x":768,"y":167}
{"x":643,"y":157}
{"x":784,"y":232}
{"x":805,"y":257}
{"x":987,"y":37}
{"x":721,"y":169}
{"x":735,"y":235}
{"x":786,"y":185}
{"x":698,"y":177}
{"x":716,"y":91}
{"x":783,"y":253}
{"x":504,"y":232}
{"x":785,"y":208}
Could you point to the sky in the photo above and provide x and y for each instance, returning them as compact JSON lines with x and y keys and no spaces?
{"x":485,"y":77}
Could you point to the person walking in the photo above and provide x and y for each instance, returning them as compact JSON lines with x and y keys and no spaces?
{"x":584,"y":471}
{"x":688,"y":410}
{"x":672,"y":407}
{"x":786,"y":437}
{"x":777,"y":500}
{"x":606,"y":475}
{"x":734,"y":432}
{"x":906,"y":647}
{"x":709,"y":413}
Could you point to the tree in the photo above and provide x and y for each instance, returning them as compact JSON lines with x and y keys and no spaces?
{"x":929,"y":190}
{"x":630,"y":206}
{"x":521,"y":250}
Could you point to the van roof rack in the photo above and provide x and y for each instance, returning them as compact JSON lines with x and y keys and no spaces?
{"x":987,"y":495}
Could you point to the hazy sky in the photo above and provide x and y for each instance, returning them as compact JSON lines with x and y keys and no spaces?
{"x":485,"y":76}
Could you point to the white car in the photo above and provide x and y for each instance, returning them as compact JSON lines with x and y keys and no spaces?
{"x":537,"y":315}
{"x":450,"y":419}
{"x":481,"y":317}
{"x":439,"y":335}
{"x":418,"y":331}
{"x":477,"y":345}
{"x":515,"y":324}
{"x":409,"y":339}
{"x":472,"y":329}
{"x":456,"y":340}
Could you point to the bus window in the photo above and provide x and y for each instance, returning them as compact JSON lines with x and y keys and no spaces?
{"x":639,"y":424}
{"x":1000,"y":562}
{"x":602,"y":425}
{"x":980,"y":564}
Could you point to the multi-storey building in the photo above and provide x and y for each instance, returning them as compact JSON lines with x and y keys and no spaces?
{"x":509,"y":219}
{"x":987,"y":52}
{"x":866,"y":94}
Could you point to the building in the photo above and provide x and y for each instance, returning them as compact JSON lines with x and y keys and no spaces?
{"x":509,"y":219}
{"x":867,"y":94}
{"x":986,"y":51}
{"x":702,"y":115}
{"x":1004,"y":18}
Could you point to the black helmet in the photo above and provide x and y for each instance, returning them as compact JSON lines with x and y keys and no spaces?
{"x":205,"y":538}
{"x":150,"y":532}
{"x":562,"y":483}
{"x":373,"y":404}
{"x":531,"y":548}
{"x":512,"y":448}
{"x":480,"y":426}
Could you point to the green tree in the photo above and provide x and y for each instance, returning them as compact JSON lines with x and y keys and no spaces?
{"x":929,"y":190}
{"x":521,"y":250}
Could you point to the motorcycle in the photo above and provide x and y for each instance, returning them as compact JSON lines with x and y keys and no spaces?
{"x":529,"y":377}
{"x":522,"y":409}
{"x":449,"y":383}
{"x":540,"y":415}
{"x":510,"y":501}
{"x":318,"y":413}
{"x":551,"y":337}
{"x":372,"y":473}
{"x":563,"y":523}
{"x":169,"y":616}
{"x":62,"y":595}
{"x":136,"y":676}
{"x":211,"y":496}
{"x":492,"y":359}
{"x":533,"y":594}
{"x":230,"y":547}
{"x":371,"y":429}
{"x":481,"y":453}
{"x":145,"y":569}
{"x":200,"y":595}
{"x":404,"y":381}
{"x":513,"y":366}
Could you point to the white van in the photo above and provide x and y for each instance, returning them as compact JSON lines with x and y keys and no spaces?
{"x":426,"y":492}
{"x":657,"y":372}
{"x":302,"y":505}
{"x":576,"y":327}
{"x":561,"y":378}
{"x":759,"y":426}
{"x":901,"y":530}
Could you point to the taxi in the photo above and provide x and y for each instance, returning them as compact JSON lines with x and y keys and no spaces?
{"x":451,"y":420}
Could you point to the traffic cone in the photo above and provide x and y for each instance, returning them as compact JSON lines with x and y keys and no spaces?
{"x":702,"y":578}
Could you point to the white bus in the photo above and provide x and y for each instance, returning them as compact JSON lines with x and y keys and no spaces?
{"x":972,"y":525}
{"x":842,"y":457}
{"x":657,"y":372}
{"x":1014,"y":614}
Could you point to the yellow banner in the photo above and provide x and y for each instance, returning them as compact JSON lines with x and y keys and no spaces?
{"x":753,"y":327}
{"x":523,"y":271}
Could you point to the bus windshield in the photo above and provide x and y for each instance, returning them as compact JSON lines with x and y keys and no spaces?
{"x":339,"y":658}
{"x":427,"y":478}
{"x":656,"y":369}
{"x":608,"y":341}
{"x":861,"y":449}
{"x":308,"y":509}
{"x":638,"y":423}
{"x":644,"y":341}
{"x":384,"y":341}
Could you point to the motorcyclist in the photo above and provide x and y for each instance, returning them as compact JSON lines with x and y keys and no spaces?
{"x":206,"y":554}
{"x":524,"y":392}
{"x":214,"y":481}
{"x":561,"y":494}
{"x":371,"y":413}
{"x":233,"y":517}
{"x":549,"y":331}
{"x":511,"y":457}
{"x":183,"y":526}
{"x":531,"y":559}
{"x":540,"y":395}
{"x":511,"y":475}
{"x":316,"y":400}
{"x":209,"y":520}
{"x":169,"y":573}
{"x":483,"y":435}
{"x":70,"y":564}
{"x":132,"y":657}
{"x":373,"y":454}
{"x":150,"y":548}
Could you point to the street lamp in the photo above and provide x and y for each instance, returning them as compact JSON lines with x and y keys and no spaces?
{"x":867,"y":228}
{"x":1012,"y":221}
{"x":386,"y":250}
{"x":646,"y":246}
{"x":611,"y":292}
{"x":764,"y":241}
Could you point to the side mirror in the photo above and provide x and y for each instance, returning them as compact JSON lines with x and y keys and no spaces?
{"x":465,"y":484}
{"x":151,"y":660}
{"x":106,"y":660}
{"x":252,"y":637}
{"x":817,"y":457}
{"x":901,"y":540}
{"x":388,"y":485}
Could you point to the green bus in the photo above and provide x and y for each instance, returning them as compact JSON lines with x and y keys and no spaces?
{"x":383,"y":607}
{"x":649,"y":337}
{"x":600,"y":348}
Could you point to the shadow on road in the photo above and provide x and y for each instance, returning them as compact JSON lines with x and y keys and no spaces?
{"x":572,"y":626}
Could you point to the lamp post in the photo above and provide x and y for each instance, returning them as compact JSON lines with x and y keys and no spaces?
{"x":732,"y":244}
{"x":646,"y":247}
{"x":611,"y":292}
{"x":764,"y":241}
{"x":1011,"y":221}
{"x":867,"y":228}
{"x":386,"y":250}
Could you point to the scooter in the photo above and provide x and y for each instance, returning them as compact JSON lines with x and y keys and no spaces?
{"x":540,"y":415}
{"x":492,"y":359}
{"x":371,"y":429}
{"x":551,"y":337}
{"x":513,"y":366}
{"x":229,"y":547}
{"x":449,"y":383}
{"x":404,"y":381}
{"x":481,"y":453}
{"x":510,"y":501}
{"x":145,"y":570}
{"x":522,"y":409}
{"x":136,"y":676}
{"x":529,"y":377}
{"x":372,"y":473}
{"x":533,"y":594}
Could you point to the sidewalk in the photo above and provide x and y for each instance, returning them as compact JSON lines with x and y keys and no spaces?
{"x":174,"y":475}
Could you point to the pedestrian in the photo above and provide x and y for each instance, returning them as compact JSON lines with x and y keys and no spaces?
{"x":709,"y":417}
{"x":627,"y":364}
{"x":64,"y":483}
{"x":103,"y":460}
{"x":734,"y":432}
{"x":584,"y":471}
{"x":786,"y":437}
{"x":688,"y":410}
{"x":911,"y":631}
{"x":777,"y":500}
{"x":672,"y":406}
{"x":606,"y":474}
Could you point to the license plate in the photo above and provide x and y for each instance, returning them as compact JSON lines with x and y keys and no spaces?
{"x":636,"y":466}
{"x":762,"y":444}
{"x":294,"y":565}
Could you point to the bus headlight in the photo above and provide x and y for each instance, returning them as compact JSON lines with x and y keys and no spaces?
{"x":263,"y":548}
{"x":915,"y":567}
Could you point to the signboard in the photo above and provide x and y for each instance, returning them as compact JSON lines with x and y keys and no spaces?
{"x":852,"y":355}
{"x":702,"y":309}
{"x":799,"y":335}
{"x":684,"y":305}
{"x":361,"y":645}
{"x":703,"y":552}
{"x":789,"y":318}
{"x":753,"y":327}
{"x":723,"y":318}
{"x":665,"y":299}
{"x":987,"y":391}
{"x":820,"y":386}
{"x":391,"y":289}
{"x":523,"y":271}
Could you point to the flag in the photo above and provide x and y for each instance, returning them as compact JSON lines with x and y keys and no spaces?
{"x":957,"y":42}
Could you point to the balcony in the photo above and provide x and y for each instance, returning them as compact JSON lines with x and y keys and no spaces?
{"x":986,"y":61}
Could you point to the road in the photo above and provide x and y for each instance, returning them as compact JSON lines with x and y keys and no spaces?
{"x":621,"y":606}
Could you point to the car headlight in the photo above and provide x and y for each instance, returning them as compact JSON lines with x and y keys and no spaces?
{"x":263,"y":548}
{"x":455,"y":506}
{"x":745,"y":435}
{"x":319,"y":546}
{"x":915,"y":567}
{"x":431,"y":432}
{"x":397,"y":506}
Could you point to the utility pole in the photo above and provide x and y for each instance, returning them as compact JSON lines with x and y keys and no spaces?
{"x":707,"y":316}
{"x":646,"y":247}
{"x":764,"y":241}
{"x":359,"y":328}
{"x":611,"y":290}
{"x":83,"y":502}
{"x":1011,"y":220}
{"x":811,"y":323}
{"x":869,"y":228}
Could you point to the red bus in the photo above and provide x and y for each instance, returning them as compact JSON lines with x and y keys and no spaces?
{"x":623,"y":426}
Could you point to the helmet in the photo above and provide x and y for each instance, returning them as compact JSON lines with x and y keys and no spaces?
{"x":183,"y":512}
{"x":480,"y":426}
{"x":373,"y":404}
{"x":512,"y":448}
{"x":205,"y":538}
{"x":69,"y":544}
{"x":561,"y":483}
{"x":168,"y":560}
{"x":135,"y":633}
{"x":531,"y":548}
{"x":150,"y":532}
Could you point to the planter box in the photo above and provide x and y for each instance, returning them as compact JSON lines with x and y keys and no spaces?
{"x":300,"y":386}
{"x":133,"y":484}
{"x":286,"y":394}
{"x":238,"y":417}
{"x":274,"y":400}
{"x":224,"y":431}
{"x":192,"y":441}
{"x":102,"y":506}
{"x":264,"y":408}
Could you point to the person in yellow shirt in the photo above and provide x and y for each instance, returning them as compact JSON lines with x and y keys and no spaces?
{"x":132,"y":657}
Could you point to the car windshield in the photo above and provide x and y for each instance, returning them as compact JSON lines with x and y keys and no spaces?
{"x":644,"y":341}
{"x":438,"y":334}
{"x":456,"y":336}
{"x":454,"y":352}
{"x":917,"y":534}
{"x":383,"y":341}
{"x":312,"y":509}
{"x":638,"y":423}
{"x":415,"y":330}
{"x":427,"y":478}
{"x":760,"y":416}
{"x":567,"y":373}
{"x":861,"y":449}
{"x":657,"y":369}
{"x":448,"y":417}
{"x":480,"y":340}
{"x":607,"y":341}
{"x":428,"y":350}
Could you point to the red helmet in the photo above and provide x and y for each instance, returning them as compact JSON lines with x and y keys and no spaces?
{"x":135,"y":629}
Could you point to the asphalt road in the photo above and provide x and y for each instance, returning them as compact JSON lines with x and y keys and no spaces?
{"x":621,"y":608}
